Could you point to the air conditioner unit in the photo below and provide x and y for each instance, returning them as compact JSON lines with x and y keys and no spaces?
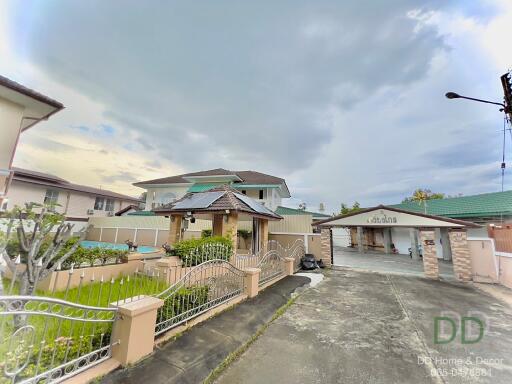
{"x":3,"y":205}
{"x":110,"y":213}
{"x":90,"y":211}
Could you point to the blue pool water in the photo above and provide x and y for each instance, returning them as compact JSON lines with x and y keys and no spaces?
{"x":123,"y":247}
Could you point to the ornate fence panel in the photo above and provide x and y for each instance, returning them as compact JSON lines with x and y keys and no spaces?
{"x":296,"y":251}
{"x":271,"y":266}
{"x":49,"y":340}
{"x":202,"y":288}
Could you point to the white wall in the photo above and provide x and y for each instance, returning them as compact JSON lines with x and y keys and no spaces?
{"x":79,"y":202}
{"x":10,"y":124}
{"x":402,"y":240}
{"x":341,"y":237}
{"x":158,"y":192}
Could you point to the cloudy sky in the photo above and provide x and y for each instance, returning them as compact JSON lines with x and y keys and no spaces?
{"x":342,"y":98}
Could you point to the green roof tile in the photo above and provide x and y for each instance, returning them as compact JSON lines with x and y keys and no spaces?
{"x":483,"y":205}
{"x":293,"y":211}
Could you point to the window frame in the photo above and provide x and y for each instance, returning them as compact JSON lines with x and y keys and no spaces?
{"x":113,"y":202}
{"x":96,"y":203}
{"x":51,"y":196}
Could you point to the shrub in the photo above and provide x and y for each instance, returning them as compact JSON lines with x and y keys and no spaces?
{"x":186,"y":250}
{"x":184,"y":300}
{"x":244,"y":233}
{"x":206,"y":233}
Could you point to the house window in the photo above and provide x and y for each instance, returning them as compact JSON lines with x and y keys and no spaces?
{"x":244,"y":192}
{"x":261,"y":194}
{"x":99,"y":203}
{"x":109,"y":205}
{"x":51,"y":197}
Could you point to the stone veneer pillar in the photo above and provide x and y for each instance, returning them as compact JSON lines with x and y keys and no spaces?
{"x":175,"y":230}
{"x":325,"y":246}
{"x":230,"y":230}
{"x":460,"y":254}
{"x":430,"y":264}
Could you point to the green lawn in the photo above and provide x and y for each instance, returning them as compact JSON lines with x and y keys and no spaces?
{"x":55,"y":340}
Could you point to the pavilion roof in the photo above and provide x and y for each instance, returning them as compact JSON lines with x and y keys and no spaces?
{"x":217,"y":200}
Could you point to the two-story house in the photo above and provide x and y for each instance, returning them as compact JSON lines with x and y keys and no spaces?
{"x":20,"y":109}
{"x":266,"y":189}
{"x":77,"y":202}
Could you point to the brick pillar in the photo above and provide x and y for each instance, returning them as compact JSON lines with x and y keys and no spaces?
{"x":460,"y":254}
{"x":263,"y":234}
{"x":325,"y":246}
{"x":217,"y":224}
{"x":230,"y":228}
{"x":175,"y":230}
{"x":430,"y":265}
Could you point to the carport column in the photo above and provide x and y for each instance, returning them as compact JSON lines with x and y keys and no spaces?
{"x":325,"y":246}
{"x":175,"y":230}
{"x":263,"y":234}
{"x":460,"y":254}
{"x":386,"y":232}
{"x":430,"y":266}
{"x":413,"y":233}
{"x":360,"y":246}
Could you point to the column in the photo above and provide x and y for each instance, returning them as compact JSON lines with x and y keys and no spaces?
{"x":230,"y":228}
{"x":460,"y":254}
{"x":175,"y":230}
{"x":217,"y":224}
{"x":386,"y":234}
{"x":360,"y":245}
{"x":445,"y":243}
{"x":325,"y":246}
{"x":263,"y":234}
{"x":135,"y":329}
{"x":430,"y":265}
{"x":413,"y":233}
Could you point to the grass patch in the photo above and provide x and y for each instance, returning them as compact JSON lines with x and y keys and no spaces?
{"x":233,"y":356}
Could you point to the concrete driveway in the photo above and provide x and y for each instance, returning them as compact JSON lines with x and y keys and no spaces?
{"x":384,"y":263}
{"x":360,"y":327}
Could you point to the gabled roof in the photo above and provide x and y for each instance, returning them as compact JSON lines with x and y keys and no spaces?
{"x":293,"y":211}
{"x":37,"y":107}
{"x":45,"y":179}
{"x":219,"y":199}
{"x":493,"y":204}
{"x":384,"y":216}
{"x":245,"y":177}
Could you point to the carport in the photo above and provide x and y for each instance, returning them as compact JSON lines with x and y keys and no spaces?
{"x":421,"y":226}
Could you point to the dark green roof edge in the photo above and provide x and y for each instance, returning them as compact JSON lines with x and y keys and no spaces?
{"x":280,"y":210}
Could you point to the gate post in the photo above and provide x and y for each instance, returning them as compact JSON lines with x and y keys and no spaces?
{"x":430,"y":265}
{"x":460,"y":254}
{"x":251,"y":281}
{"x":134,"y":330}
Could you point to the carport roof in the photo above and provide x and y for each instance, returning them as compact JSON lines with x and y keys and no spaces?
{"x":383,"y":216}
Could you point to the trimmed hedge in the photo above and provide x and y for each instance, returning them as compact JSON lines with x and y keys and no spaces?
{"x":185,"y":249}
{"x":80,"y":256}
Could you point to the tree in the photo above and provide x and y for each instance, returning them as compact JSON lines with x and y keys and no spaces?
{"x":42,"y":246}
{"x":345,"y":209}
{"x":302,"y":206}
{"x":421,"y":196}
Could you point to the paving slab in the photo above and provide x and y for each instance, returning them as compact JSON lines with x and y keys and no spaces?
{"x":191,"y":357}
{"x":360,"y":327}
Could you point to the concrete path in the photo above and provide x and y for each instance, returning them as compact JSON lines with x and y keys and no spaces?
{"x":384,"y":263}
{"x":358,"y":327}
{"x":191,"y":357}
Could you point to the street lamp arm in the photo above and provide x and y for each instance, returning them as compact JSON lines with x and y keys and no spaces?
{"x":452,"y":95}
